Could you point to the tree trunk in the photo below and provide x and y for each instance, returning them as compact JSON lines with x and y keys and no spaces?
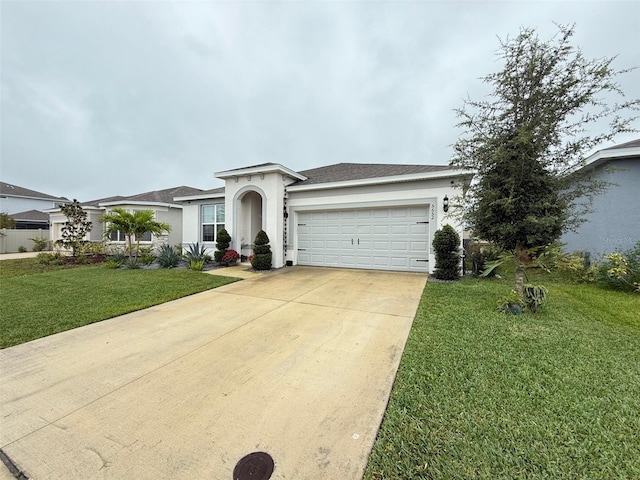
{"x":519,"y":287}
{"x":130,"y":242}
{"x":522,"y":259}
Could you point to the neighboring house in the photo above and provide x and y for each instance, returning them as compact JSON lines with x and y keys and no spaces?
{"x":31,"y":220}
{"x":160,"y":201}
{"x":615,"y":222}
{"x":26,"y":206}
{"x":371,"y":216}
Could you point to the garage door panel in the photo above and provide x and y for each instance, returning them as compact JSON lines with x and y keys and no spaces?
{"x":380,"y":238}
{"x":399,"y":246}
{"x":399,"y":229}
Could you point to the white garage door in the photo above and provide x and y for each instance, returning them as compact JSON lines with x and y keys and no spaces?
{"x":380,"y":238}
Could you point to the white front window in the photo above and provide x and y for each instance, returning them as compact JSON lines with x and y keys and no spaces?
{"x":212,"y":217}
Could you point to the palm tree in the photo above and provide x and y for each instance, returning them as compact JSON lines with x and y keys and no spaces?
{"x":133,"y":225}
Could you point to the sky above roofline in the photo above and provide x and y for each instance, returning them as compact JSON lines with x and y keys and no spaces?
{"x":115,"y":98}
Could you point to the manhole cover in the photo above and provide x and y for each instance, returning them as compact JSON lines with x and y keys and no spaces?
{"x":255,"y":466}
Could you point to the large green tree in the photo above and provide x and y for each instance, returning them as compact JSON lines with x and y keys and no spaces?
{"x":527,"y":141}
{"x":133,"y":225}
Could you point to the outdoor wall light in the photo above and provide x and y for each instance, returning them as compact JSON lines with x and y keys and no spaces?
{"x":445,"y":203}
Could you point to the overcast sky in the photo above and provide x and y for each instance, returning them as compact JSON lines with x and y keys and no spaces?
{"x":104,"y":98}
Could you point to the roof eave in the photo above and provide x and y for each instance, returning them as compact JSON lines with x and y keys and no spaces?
{"x":209,"y":196}
{"x":603,"y":156}
{"x":260,"y":169}
{"x":139,"y":202}
{"x":413,"y":177}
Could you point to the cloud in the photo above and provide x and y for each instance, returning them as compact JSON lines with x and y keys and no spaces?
{"x":104,"y":98}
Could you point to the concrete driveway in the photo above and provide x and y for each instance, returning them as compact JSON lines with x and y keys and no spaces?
{"x":298,"y":363}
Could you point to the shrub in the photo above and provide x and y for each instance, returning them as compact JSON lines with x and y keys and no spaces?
{"x":196,"y":252}
{"x":132,"y":263}
{"x":147,"y":259}
{"x":230,"y":257}
{"x":21,"y":249}
{"x":479,"y":256}
{"x":40,"y":244}
{"x":534,"y":296}
{"x":223,"y":240}
{"x":168,"y":256}
{"x":446,"y":242}
{"x":512,"y":303}
{"x":197,"y":265}
{"x":113,"y":264}
{"x":621,"y":271}
{"x":94,"y":248}
{"x":50,"y":258}
{"x":262,"y":256}
{"x":576,"y":267}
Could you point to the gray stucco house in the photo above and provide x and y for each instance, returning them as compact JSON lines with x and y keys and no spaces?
{"x":614,"y":225}
{"x":27,"y":206}
{"x":159,"y":201}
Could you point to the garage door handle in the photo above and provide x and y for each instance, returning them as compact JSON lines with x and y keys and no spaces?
{"x":352,"y":241}
{"x":358,"y":241}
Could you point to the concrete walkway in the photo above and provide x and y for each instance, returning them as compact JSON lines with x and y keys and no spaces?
{"x":298,"y":363}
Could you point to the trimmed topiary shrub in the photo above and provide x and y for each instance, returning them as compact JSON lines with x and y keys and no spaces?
{"x":261,"y":252}
{"x":223,"y":240}
{"x":446,"y":242}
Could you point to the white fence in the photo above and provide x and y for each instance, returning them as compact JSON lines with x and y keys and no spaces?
{"x":11,"y":239}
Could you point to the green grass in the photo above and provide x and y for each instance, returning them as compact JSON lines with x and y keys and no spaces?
{"x":480,"y":394}
{"x":42,"y":300}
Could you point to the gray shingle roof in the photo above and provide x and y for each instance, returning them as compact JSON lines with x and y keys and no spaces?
{"x":631,"y":144}
{"x":32,"y":215}
{"x":342,"y":172}
{"x":156,"y":196}
{"x":165,"y":196}
{"x":16,"y":191}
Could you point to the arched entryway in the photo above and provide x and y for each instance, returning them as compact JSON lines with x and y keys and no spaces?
{"x":250,"y":211}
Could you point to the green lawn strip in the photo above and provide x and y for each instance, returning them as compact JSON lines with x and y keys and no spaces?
{"x":37,"y":305}
{"x":480,"y":394}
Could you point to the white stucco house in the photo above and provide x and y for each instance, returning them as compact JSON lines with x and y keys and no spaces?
{"x":370,"y":216}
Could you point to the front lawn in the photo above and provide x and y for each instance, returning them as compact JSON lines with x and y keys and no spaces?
{"x":40,"y":300}
{"x":480,"y":394}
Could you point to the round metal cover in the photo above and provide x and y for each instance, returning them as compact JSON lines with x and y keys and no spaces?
{"x":255,"y":466}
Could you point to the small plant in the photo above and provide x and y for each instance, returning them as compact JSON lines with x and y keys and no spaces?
{"x":479,"y":256}
{"x":132,"y":263}
{"x":39,"y":244}
{"x":197,"y":265}
{"x":621,"y":270}
{"x":223,"y":240}
{"x":576,"y":267}
{"x":147,"y":259}
{"x":262,"y":256}
{"x":113,"y":264}
{"x":22,"y":249}
{"x":446,"y":242}
{"x":50,"y":258}
{"x":534,"y":296}
{"x":168,"y":256}
{"x":512,"y":303}
{"x":230,"y":257}
{"x":196,"y":252}
{"x":94,"y":248}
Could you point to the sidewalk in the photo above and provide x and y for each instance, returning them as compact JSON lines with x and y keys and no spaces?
{"x":13,"y":256}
